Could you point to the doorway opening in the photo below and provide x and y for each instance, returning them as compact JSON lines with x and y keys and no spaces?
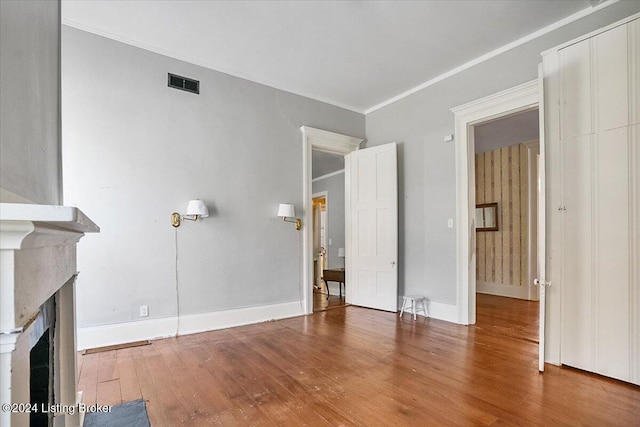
{"x":511,"y":101}
{"x":505,"y":168}
{"x":328,"y":204}
{"x":317,"y":140}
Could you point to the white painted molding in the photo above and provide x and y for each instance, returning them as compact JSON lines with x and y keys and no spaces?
{"x":441,"y":311}
{"x":591,"y":34}
{"x":518,"y":98}
{"x":533,"y":150}
{"x":546,"y":30}
{"x":67,"y":217}
{"x":120,"y":333}
{"x":12,"y":233}
{"x":247,"y":76}
{"x":483,"y":109}
{"x":329,"y":175}
{"x":194,"y":323}
{"x":216,"y":67}
{"x":331,"y":142}
{"x":437,"y":310}
{"x":321,"y":140}
{"x":37,"y":260}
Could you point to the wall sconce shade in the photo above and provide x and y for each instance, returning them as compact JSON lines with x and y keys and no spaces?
{"x":195,"y":209}
{"x":287,"y":210}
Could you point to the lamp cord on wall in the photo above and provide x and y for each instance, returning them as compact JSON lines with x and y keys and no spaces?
{"x":177,"y":289}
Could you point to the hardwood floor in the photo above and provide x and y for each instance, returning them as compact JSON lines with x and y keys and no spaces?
{"x":354,"y":366}
{"x":322,"y":303}
{"x":511,"y":317}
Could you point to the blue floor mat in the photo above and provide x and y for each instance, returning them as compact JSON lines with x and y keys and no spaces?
{"x":130,"y":414}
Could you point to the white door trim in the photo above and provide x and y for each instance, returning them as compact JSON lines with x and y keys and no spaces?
{"x":510,"y":101}
{"x":533,"y":150}
{"x":329,"y":142}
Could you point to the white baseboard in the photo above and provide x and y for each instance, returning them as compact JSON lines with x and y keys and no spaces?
{"x":436,"y":310}
{"x":441,"y":311}
{"x":194,"y":323}
{"x":510,"y":291}
{"x":120,"y":333}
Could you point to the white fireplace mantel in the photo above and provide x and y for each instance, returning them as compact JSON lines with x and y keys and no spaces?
{"x":37,"y":263}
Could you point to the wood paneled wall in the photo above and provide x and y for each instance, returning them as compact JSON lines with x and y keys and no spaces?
{"x":502,"y":176}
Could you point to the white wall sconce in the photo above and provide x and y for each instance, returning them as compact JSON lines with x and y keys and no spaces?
{"x":195,"y":209}
{"x":286,"y":210}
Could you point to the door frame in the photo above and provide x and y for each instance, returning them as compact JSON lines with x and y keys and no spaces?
{"x":328,"y":142}
{"x":510,"y":101}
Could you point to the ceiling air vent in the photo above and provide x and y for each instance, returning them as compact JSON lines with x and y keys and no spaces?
{"x":183,"y":83}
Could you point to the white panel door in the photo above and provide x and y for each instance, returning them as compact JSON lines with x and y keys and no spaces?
{"x":541,"y":255}
{"x":599,"y":194}
{"x":611,"y":83}
{"x":611,"y":254}
{"x":577,"y":235}
{"x":575,"y":90}
{"x":372,"y":274}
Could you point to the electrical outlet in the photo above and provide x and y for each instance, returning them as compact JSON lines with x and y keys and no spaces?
{"x":450,"y":223}
{"x":144,"y":311}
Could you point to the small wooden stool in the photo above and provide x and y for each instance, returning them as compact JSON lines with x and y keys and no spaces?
{"x":414,"y":299}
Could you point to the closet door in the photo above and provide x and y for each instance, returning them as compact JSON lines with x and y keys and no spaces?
{"x":611,"y":264}
{"x":577,"y":235}
{"x":598,"y":103}
{"x":575,"y":90}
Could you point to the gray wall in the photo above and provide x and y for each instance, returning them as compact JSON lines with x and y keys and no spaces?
{"x":334,"y":186}
{"x":427,"y":164}
{"x":134,"y":151}
{"x":30,"y":102}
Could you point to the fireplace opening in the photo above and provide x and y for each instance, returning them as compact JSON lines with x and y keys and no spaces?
{"x":40,"y":380}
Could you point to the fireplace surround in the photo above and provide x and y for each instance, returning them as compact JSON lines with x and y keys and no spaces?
{"x":37,"y":297}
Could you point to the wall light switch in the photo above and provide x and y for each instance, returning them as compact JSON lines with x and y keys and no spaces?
{"x":450,"y":223}
{"x":448,"y":138}
{"x":330,"y":243}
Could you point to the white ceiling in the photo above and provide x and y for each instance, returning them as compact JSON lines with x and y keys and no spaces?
{"x":506,"y":131}
{"x":324,"y":163}
{"x":354,"y":54}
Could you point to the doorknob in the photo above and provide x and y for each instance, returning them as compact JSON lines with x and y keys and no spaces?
{"x":539,"y":282}
{"x":393,"y":263}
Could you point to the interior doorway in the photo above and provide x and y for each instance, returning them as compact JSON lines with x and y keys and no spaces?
{"x":320,"y":240}
{"x":511,"y":101}
{"x":521,"y":98}
{"x":317,"y":140}
{"x":328,"y":224}
{"x":505,"y":168}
